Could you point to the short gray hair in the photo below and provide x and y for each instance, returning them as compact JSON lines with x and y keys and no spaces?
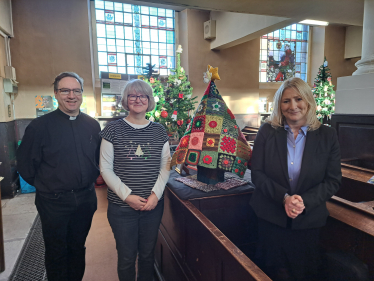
{"x":276,"y":119}
{"x":140,"y":87}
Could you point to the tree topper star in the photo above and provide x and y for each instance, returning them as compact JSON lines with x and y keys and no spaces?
{"x":211,"y":74}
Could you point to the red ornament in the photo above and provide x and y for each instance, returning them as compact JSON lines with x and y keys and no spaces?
{"x":152,"y":80}
{"x":164,"y":114}
{"x":180,"y":95}
{"x":180,"y":122}
{"x":188,"y":121}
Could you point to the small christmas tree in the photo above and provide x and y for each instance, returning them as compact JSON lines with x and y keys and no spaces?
{"x":178,"y":101}
{"x":152,"y":78}
{"x":324,"y":94}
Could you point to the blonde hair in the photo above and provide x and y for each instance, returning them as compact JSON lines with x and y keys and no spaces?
{"x":276,"y":119}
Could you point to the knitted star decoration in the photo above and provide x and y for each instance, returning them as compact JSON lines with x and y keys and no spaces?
{"x":211,"y":74}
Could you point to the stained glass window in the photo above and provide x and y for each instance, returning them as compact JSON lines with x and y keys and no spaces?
{"x":284,"y":54}
{"x":130,"y":36}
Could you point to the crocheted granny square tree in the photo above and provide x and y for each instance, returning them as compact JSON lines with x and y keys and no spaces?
{"x":213,"y":141}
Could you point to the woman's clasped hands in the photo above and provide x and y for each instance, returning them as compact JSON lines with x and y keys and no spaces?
{"x":140,"y":204}
{"x":294,"y":205}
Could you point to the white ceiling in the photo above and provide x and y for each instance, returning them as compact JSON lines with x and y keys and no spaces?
{"x":347,"y":12}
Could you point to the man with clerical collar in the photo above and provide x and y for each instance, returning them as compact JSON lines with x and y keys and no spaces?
{"x":59,"y":155}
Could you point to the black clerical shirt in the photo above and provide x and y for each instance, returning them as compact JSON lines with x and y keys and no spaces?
{"x":60,"y":153}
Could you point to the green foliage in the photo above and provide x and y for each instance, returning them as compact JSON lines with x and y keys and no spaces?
{"x":324,"y":94}
{"x":158,"y":94}
{"x":184,"y":104}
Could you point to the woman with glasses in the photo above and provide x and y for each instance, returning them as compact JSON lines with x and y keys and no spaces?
{"x":134,"y":162}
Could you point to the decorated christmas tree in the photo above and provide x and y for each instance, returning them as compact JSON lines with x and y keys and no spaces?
{"x":324,"y":94}
{"x":152,"y":78}
{"x":213,"y":141}
{"x":179,"y":103}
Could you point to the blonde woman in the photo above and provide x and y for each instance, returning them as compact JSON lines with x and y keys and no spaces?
{"x":296,"y":169}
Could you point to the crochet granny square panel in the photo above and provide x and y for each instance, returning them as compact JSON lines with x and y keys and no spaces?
{"x":213,"y":139}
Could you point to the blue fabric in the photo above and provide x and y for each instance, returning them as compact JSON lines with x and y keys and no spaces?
{"x":66,"y":220}
{"x":135,"y":232}
{"x":295,"y":151}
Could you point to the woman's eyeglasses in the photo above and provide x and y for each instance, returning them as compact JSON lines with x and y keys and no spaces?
{"x":142,"y":98}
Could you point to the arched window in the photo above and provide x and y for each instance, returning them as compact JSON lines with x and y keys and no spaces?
{"x":284,"y":54}
{"x":130,"y":36}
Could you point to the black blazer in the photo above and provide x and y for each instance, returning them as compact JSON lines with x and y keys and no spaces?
{"x":320,"y":175}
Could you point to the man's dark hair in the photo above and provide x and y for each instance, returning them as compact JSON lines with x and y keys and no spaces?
{"x":67,"y":74}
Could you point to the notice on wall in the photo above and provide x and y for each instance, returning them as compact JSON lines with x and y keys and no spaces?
{"x":112,"y":86}
{"x":44,"y":105}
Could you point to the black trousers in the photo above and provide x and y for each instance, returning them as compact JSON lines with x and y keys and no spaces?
{"x":66,"y":220}
{"x":288,"y":255}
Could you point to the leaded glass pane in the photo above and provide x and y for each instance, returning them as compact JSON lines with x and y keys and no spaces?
{"x":135,"y":9}
{"x":136,"y":20}
{"x":161,"y":22}
{"x":127,"y":18}
{"x":128,"y":33}
{"x":130,"y":60}
{"x":161,"y":12}
{"x":154,"y":35}
{"x":108,"y":5}
{"x":153,"y":11}
{"x":127,"y":8}
{"x":100,"y":30}
{"x":170,"y":37}
{"x":145,"y":34}
{"x":146,"y":48}
{"x":112,"y":59}
{"x":103,"y":58}
{"x":99,"y":4}
{"x":118,"y":17}
{"x":284,"y":54}
{"x":112,"y":69}
{"x":144,"y":10}
{"x":155,"y":60}
{"x":153,"y":21}
{"x":129,"y":46}
{"x":137,"y":33}
{"x":101,"y":44}
{"x":145,"y":20}
{"x":103,"y":68}
{"x":119,"y":32}
{"x":110,"y":31}
{"x":118,"y":7}
{"x":162,"y":35}
{"x":100,"y":15}
{"x":111,"y":43}
{"x":169,"y":13}
{"x":129,"y":36}
{"x":122,"y":70}
{"x":146,"y":59}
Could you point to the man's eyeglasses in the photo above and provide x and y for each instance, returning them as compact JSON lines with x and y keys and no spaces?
{"x":65,"y":91}
{"x":142,"y":98}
